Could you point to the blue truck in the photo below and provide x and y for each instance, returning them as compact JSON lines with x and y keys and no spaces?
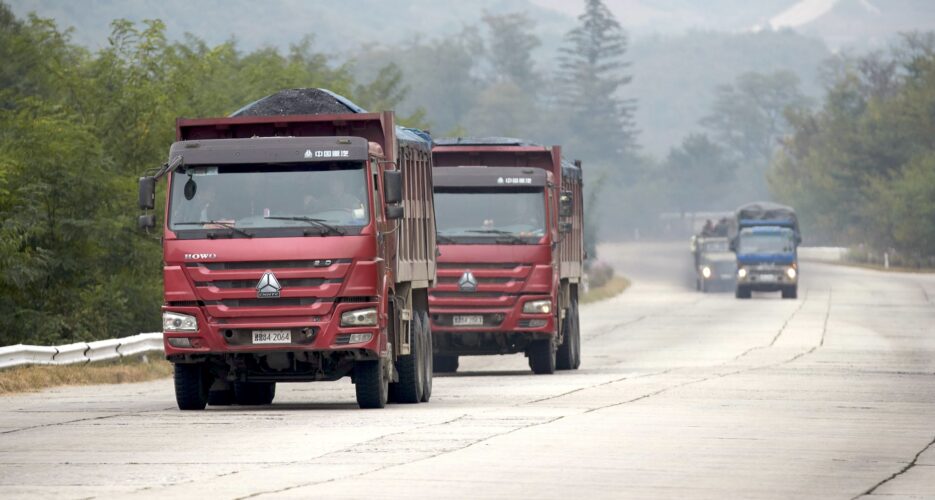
{"x":765,"y":237}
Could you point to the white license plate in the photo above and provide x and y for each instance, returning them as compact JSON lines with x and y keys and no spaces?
{"x":767,"y":277}
{"x":467,"y":321}
{"x":272,"y":337}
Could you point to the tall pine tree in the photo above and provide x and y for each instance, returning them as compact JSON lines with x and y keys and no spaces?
{"x":591,"y":74}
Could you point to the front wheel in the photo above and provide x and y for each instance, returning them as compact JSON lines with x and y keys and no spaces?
{"x":791,"y":292}
{"x":542,"y":357}
{"x":371,"y":384}
{"x":192,"y":382}
{"x":742,"y":292}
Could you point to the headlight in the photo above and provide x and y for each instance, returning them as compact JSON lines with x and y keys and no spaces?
{"x":791,"y":273}
{"x":742,"y":273}
{"x":360,"y":317}
{"x":538,"y":307}
{"x":175,"y":322}
{"x":706,"y":272}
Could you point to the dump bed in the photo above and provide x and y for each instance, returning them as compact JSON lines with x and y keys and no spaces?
{"x":509,"y":152}
{"x":408,"y":149}
{"x":765,"y":213}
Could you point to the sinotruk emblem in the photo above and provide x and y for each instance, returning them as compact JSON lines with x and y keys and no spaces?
{"x":467,"y":283}
{"x":268,"y":287}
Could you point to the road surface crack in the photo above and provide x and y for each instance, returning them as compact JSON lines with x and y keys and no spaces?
{"x":898,"y":473}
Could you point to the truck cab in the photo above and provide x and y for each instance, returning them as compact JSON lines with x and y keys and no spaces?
{"x":293,"y":253}
{"x":767,"y":260}
{"x":511,"y":248}
{"x":715,"y":263}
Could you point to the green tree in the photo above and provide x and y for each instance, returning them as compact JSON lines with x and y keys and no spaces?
{"x":509,"y":50}
{"x":699,"y":174}
{"x":591,"y":75}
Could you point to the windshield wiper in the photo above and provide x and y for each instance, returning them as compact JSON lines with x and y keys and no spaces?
{"x":444,"y":239}
{"x":318,"y":222}
{"x":512,"y":238}
{"x":226,"y":225}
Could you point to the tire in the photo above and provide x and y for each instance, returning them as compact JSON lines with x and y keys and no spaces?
{"x":443,"y":363}
{"x":698,"y":284}
{"x":704,"y":286}
{"x":742,"y":292}
{"x":254,"y":393}
{"x":541,"y":357}
{"x":791,"y":292}
{"x":577,"y":330}
{"x":370,"y":384}
{"x":568,"y":356}
{"x":192,"y":382}
{"x":224,"y":397}
{"x":427,"y":356}
{"x":411,"y":367}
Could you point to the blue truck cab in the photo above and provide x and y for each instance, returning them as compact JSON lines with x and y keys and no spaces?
{"x":765,"y":243}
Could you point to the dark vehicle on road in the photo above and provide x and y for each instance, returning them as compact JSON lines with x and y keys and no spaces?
{"x":715,"y":263}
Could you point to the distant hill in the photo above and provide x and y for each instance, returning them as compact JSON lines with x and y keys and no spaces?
{"x":680,"y":49}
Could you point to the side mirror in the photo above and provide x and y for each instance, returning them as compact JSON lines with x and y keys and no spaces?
{"x":395,"y":212}
{"x":147,"y":192}
{"x":566,"y":204}
{"x":392,"y":186}
{"x":146,"y":222}
{"x":564,"y":227}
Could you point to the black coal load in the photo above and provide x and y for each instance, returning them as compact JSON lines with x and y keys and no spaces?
{"x":296,"y":102}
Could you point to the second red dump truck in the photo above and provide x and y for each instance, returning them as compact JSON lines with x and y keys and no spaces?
{"x":299,"y":245}
{"x":510,"y":233}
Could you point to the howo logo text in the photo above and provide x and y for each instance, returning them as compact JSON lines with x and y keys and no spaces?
{"x":200,"y":256}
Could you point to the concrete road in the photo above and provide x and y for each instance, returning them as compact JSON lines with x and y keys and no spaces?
{"x":680,"y":395}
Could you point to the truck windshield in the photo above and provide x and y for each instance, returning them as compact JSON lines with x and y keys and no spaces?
{"x":716,"y":246}
{"x":325,"y":196}
{"x":772,"y":242}
{"x":490,"y":216}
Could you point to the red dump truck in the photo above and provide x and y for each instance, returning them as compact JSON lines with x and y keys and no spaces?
{"x":297,"y":248}
{"x":510,"y":221}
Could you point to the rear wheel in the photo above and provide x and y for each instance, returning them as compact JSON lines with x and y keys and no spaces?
{"x":254,"y":393}
{"x":444,"y":363}
{"x":370,"y":384}
{"x":427,"y":356}
{"x":192,"y":382}
{"x":742,"y":292}
{"x":791,"y":292}
{"x":568,"y":356}
{"x":577,"y":328}
{"x":541,"y":356}
{"x":411,"y":367}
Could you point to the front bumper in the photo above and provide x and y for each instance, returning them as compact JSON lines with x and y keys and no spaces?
{"x":767,"y":279}
{"x":308,"y":333}
{"x":503,"y":319}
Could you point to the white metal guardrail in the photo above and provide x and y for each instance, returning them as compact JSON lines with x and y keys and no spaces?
{"x":81,"y":352}
{"x":822,"y":254}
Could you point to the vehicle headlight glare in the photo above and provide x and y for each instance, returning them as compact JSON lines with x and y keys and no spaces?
{"x":538,"y":307}
{"x":359,"y":317}
{"x":706,"y":272}
{"x":175,"y":322}
{"x":742,"y":273}
{"x":791,"y":273}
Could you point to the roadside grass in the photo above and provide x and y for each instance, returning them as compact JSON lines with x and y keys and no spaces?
{"x":37,"y":377}
{"x":611,"y":289}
